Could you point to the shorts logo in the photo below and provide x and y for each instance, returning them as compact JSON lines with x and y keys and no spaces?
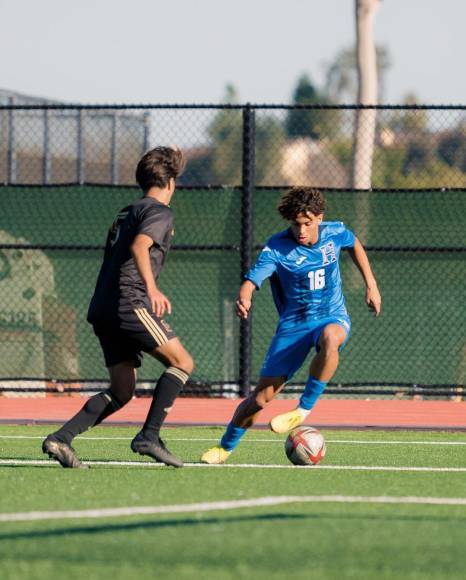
{"x":329,"y":253}
{"x":165,"y":325}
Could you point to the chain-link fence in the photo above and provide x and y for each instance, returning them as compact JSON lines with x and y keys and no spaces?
{"x":66,"y":171}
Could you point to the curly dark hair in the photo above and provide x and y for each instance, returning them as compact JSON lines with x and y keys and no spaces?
{"x":157,"y":166}
{"x":301,"y":200}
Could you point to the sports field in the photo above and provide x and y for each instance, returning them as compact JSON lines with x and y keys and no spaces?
{"x":381,"y":505}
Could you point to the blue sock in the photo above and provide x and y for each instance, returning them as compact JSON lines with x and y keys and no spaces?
{"x":232,"y":437}
{"x":312,"y":392}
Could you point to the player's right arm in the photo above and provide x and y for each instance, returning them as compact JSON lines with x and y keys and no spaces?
{"x":265,"y":266}
{"x":244,"y":300}
{"x":140,"y":250}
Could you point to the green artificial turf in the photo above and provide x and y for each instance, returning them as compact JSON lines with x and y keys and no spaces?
{"x":299,"y":540}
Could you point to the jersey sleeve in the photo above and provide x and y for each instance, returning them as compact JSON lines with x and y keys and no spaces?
{"x":155,"y":223}
{"x":345,"y":237}
{"x":264,"y":267}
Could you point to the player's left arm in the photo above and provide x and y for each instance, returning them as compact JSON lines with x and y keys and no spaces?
{"x":140,"y":250}
{"x":152,"y":229}
{"x":359,"y":256}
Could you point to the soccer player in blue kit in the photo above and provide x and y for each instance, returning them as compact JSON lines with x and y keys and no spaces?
{"x":302,"y":264}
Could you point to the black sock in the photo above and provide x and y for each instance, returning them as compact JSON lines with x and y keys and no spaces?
{"x":167,"y":389}
{"x":94,"y":412}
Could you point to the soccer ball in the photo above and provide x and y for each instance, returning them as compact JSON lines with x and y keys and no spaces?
{"x":305,"y":446}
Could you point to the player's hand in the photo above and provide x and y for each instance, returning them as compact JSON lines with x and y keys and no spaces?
{"x":159,"y":302}
{"x":374,"y":300}
{"x":242,"y":308}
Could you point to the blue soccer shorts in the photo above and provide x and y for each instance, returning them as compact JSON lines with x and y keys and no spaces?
{"x":290,"y":346}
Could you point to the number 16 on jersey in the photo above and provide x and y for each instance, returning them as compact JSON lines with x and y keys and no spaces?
{"x":316,"y":279}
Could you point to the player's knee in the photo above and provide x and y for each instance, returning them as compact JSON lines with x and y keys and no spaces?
{"x":121,"y":397}
{"x":264,"y":397}
{"x":330,"y":342}
{"x":185,"y":362}
{"x":189,"y":364}
{"x":124,"y":398}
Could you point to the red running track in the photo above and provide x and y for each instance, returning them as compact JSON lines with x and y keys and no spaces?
{"x":328,"y":413}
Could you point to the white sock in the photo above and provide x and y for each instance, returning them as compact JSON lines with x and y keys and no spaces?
{"x":303,"y":412}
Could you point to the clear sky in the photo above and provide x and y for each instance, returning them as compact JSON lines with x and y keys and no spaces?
{"x":186,"y":51}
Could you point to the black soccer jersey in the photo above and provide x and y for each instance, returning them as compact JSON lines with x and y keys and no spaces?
{"x":119,"y":286}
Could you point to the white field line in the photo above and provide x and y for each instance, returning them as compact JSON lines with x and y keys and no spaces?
{"x":45,"y":462}
{"x":224,"y":505}
{"x":342,"y":441}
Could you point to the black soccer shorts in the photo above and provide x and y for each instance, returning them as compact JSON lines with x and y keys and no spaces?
{"x":136,"y":331}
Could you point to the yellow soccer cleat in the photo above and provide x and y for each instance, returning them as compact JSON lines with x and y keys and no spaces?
{"x":215,"y":456}
{"x":287,"y":421}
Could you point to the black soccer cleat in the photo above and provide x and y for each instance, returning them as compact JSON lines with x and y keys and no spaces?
{"x":155,"y":449}
{"x":62,"y":452}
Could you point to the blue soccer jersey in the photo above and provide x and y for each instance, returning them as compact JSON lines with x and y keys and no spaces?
{"x":305,"y":280}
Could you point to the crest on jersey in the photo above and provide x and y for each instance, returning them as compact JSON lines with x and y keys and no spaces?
{"x":329,"y":253}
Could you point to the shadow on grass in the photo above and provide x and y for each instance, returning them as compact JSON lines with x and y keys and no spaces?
{"x":185,"y":522}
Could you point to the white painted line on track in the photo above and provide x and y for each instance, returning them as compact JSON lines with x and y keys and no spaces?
{"x":342,"y":441}
{"x":42,"y":462}
{"x":224,"y":505}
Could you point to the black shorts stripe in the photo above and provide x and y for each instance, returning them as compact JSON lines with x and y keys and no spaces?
{"x":157,"y":327}
{"x":151,"y":326}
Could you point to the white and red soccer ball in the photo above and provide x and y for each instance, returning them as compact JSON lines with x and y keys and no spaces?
{"x":305,"y":446}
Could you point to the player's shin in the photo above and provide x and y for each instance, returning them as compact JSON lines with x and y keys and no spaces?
{"x":96,"y":409}
{"x":166,"y":391}
{"x":312,"y":391}
{"x":232,"y":437}
{"x":243,"y":418}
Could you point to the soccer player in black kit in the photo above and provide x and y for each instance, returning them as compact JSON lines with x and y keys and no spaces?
{"x":126,"y":313}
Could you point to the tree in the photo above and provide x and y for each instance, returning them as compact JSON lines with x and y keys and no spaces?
{"x":313,"y":123}
{"x":452,"y":149}
{"x":364,"y":133}
{"x":270,"y":140}
{"x":342,"y":75}
{"x":409,"y":121}
{"x":226,"y":133}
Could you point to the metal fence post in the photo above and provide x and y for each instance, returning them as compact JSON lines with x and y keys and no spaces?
{"x":245,"y":337}
{"x":114,"y":149}
{"x":146,"y":138}
{"x":11,"y":159}
{"x":46,"y":150}
{"x":80,"y":154}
